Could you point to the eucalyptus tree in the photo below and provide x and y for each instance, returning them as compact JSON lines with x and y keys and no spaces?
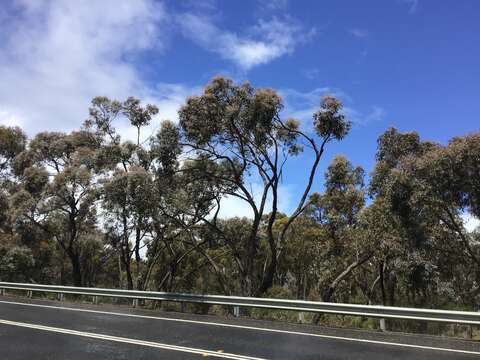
{"x":16,"y":264}
{"x":406,"y":257}
{"x":147,"y":201}
{"x":302,"y":263}
{"x":126,"y":181}
{"x":338,"y":211}
{"x":443,"y":185}
{"x":334,"y":214}
{"x":12,"y":142}
{"x":16,"y":261}
{"x":57,"y":191}
{"x":236,"y":136}
{"x":427,"y":188}
{"x":183,"y":199}
{"x":126,"y":204}
{"x":380,"y":231}
{"x":447,"y":178}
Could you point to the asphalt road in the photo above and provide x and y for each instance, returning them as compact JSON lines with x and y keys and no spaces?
{"x":40,"y":330}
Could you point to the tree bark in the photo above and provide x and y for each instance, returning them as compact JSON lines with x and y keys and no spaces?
{"x":328,"y":293}
{"x":76,"y":270}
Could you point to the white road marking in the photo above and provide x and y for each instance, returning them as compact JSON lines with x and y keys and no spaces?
{"x":251,"y":328}
{"x":131,"y":341}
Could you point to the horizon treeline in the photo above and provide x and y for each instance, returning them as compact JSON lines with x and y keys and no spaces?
{"x":87,"y":208}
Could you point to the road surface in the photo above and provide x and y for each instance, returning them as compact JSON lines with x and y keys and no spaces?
{"x":37,"y":330}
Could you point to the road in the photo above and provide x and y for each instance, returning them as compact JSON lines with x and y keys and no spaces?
{"x":37,"y":329}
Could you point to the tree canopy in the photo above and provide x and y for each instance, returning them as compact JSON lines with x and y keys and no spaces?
{"x":88,"y":207}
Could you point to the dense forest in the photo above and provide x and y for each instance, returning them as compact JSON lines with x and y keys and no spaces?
{"x":90,"y":209}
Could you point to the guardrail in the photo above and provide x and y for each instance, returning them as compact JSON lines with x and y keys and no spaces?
{"x":382,"y":312}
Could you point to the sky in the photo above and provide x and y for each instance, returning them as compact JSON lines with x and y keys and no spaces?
{"x":410,"y":64}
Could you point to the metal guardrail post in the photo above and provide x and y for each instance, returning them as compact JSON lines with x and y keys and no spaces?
{"x":29,"y":294}
{"x":60,"y":296}
{"x":95,"y":300}
{"x":135,"y":303}
{"x":2,"y":292}
{"x":383,"y":325}
{"x":301,"y":317}
{"x":182,"y":306}
{"x":469,"y":332}
{"x":236,"y":311}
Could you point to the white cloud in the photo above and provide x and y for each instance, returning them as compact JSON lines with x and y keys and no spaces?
{"x":358,"y":32}
{"x":10,"y":119}
{"x":302,"y":105}
{"x":57,"y":55}
{"x":264,"y":42}
{"x":374,"y":114}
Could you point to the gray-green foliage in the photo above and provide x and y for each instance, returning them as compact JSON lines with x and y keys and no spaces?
{"x":90,"y":207}
{"x":235,"y":135}
{"x":57,"y":190}
{"x":16,"y":264}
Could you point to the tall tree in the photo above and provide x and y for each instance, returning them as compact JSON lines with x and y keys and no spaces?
{"x":236,"y":135}
{"x":337,"y":213}
{"x":427,"y":187}
{"x":59,"y":191}
{"x":127,"y":186}
{"x":147,"y":199}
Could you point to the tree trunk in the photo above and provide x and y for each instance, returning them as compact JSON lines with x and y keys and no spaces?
{"x":328,"y":293}
{"x":76,"y":270}
{"x":267,"y":282}
{"x":128,"y":270}
{"x":138,"y":259}
{"x":381,"y":269}
{"x":392,"y":280}
{"x":129,"y":277}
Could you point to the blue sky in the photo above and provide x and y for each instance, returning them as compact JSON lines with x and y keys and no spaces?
{"x":412,"y":64}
